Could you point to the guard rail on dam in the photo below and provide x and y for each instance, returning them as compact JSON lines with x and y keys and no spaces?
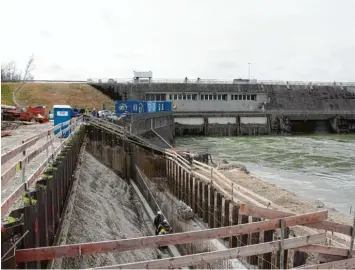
{"x":250,"y":228}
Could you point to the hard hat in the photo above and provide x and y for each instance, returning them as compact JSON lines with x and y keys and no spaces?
{"x":159,"y":213}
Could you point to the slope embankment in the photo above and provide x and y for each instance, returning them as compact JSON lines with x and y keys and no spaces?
{"x":105,"y":208}
{"x":79,"y":95}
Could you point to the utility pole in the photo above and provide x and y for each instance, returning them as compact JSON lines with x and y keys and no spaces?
{"x":249,"y":64}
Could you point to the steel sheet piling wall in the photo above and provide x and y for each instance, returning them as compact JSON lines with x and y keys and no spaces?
{"x":43,"y":206}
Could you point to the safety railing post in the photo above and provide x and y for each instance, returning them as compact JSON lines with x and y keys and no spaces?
{"x":23,"y":166}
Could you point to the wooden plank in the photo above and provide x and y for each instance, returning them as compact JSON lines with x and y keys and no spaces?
{"x":5,"y":206}
{"x":49,"y":253}
{"x":208,"y":257}
{"x":261,"y":212}
{"x":326,"y":250}
{"x":19,"y":149}
{"x":343,"y":264}
{"x":11,"y":172}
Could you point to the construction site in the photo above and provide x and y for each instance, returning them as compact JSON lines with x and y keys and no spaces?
{"x":89,"y":201}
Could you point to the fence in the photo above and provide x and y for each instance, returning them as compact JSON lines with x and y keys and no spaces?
{"x":35,"y":223}
{"x":217,"y":81}
{"x":165,"y":178}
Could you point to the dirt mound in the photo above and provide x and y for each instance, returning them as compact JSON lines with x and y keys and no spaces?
{"x":79,"y":95}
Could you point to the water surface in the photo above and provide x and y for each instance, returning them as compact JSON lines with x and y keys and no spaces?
{"x":319,"y":167}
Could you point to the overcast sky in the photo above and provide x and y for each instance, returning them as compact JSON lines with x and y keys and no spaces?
{"x":286,"y":40}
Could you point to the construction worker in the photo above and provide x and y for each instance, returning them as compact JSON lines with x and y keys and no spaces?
{"x":157,"y":220}
{"x":161,"y":230}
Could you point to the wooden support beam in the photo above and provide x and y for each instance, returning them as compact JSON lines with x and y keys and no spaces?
{"x":266,"y":261}
{"x":184,"y":186}
{"x":208,"y":257}
{"x":233,"y":241}
{"x":49,"y":253}
{"x":200,"y":199}
{"x":343,"y":264}
{"x":205,"y":203}
{"x":217,"y":210}
{"x":244,"y":238}
{"x":326,"y":250}
{"x":253,"y":260}
{"x":196,"y":195}
{"x":226,"y":217}
{"x":211,"y":192}
{"x":261,"y":212}
{"x":189,"y":190}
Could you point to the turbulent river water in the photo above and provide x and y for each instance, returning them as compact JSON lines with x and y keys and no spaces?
{"x":318,"y":167}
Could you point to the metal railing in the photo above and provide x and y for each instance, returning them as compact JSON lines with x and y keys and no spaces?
{"x":218,"y":81}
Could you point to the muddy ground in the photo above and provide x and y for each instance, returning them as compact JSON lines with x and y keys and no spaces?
{"x":105,"y":208}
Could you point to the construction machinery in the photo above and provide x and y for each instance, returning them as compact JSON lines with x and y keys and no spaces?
{"x":31,"y":114}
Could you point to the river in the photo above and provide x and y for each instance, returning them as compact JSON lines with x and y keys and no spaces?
{"x":319,"y":167}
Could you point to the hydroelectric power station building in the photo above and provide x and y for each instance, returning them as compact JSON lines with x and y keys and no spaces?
{"x":243,"y":107}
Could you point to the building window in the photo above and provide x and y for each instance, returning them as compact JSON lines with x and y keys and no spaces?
{"x":210,"y":97}
{"x":202,"y":97}
{"x":194,"y":96}
{"x":175,"y":96}
{"x":184,"y":97}
{"x":244,"y":97}
{"x":253,"y":97}
{"x":180,"y":97}
{"x":248,"y":97}
{"x":170,"y":97}
{"x":224,"y":97}
{"x":188,"y":97}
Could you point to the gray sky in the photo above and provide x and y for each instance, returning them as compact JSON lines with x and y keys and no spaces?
{"x":286,"y":40}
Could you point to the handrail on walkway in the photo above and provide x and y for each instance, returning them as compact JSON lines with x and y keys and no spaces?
{"x":24,"y":160}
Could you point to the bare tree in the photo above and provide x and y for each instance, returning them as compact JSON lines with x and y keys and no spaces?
{"x":9,"y":73}
{"x":29,"y":68}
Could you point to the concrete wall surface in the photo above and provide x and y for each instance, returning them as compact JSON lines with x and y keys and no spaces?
{"x":253,"y":120}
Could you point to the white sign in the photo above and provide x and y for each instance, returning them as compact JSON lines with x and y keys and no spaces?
{"x":62,"y":113}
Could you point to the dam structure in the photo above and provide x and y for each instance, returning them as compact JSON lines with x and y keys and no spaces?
{"x":244,"y":107}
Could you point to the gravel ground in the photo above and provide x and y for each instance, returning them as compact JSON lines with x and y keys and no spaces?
{"x":9,"y":143}
{"x":105,"y":208}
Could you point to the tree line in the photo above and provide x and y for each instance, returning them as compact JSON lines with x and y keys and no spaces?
{"x":10,"y":72}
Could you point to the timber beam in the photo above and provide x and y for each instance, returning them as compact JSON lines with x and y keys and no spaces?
{"x":342,"y":264}
{"x":209,"y":257}
{"x":72,"y":250}
{"x":261,"y":212}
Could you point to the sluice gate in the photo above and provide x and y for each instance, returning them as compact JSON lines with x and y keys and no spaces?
{"x":249,"y":231}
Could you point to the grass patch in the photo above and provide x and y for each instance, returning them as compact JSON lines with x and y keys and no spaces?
{"x":6,"y":93}
{"x":48,"y":94}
